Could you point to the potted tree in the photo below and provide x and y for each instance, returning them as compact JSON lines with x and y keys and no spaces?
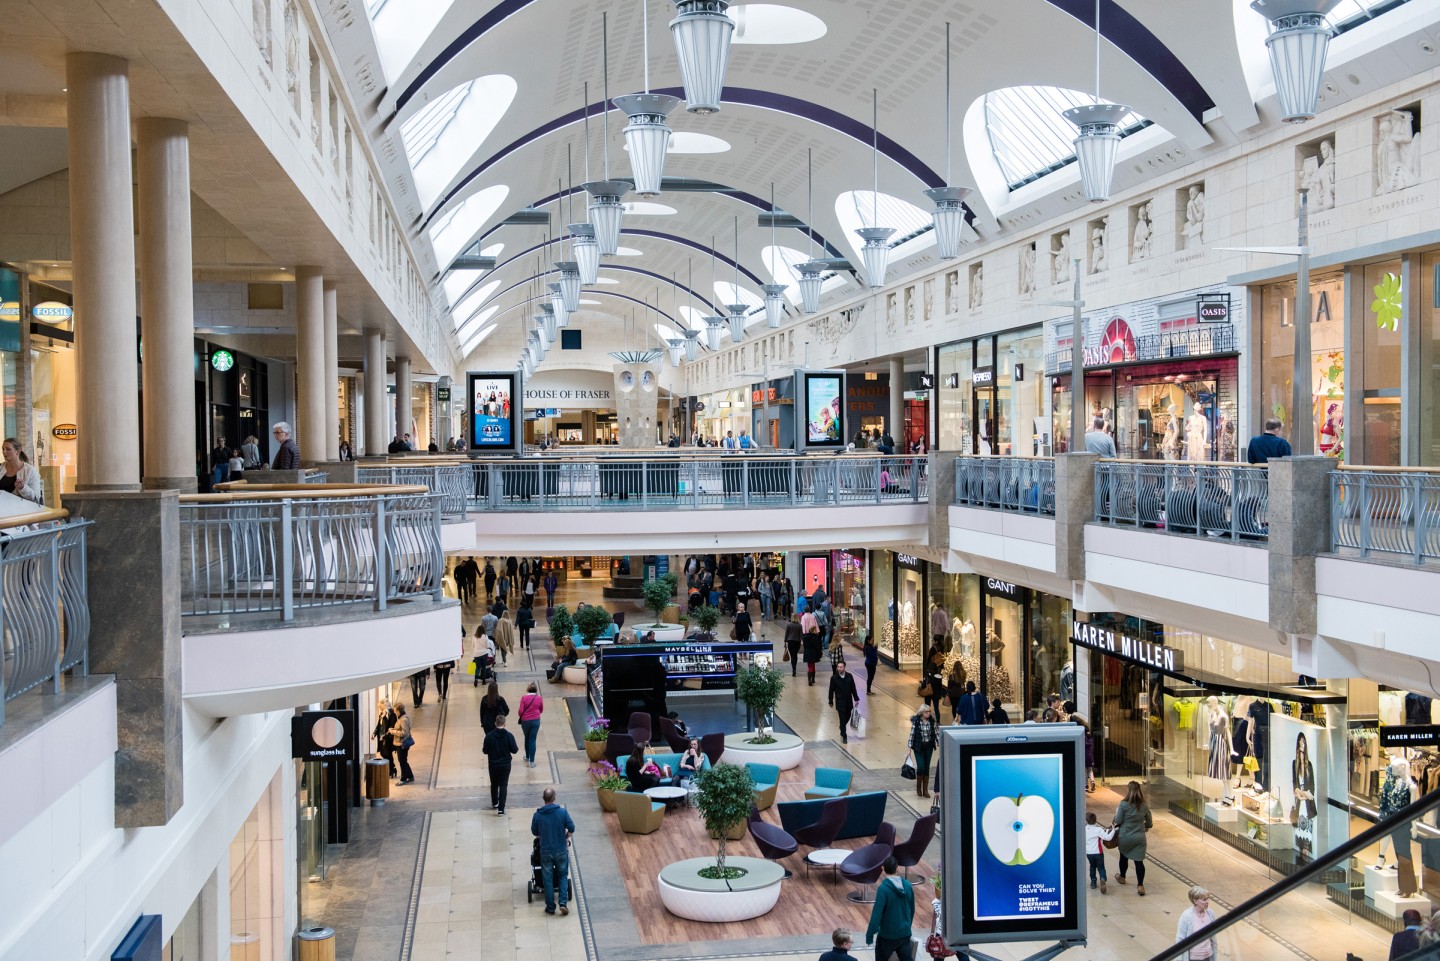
{"x":759,"y":687}
{"x":591,"y":622}
{"x":607,"y":780}
{"x":724,"y":795}
{"x":705,"y":618}
{"x":658,"y":594}
{"x":597,"y":737}
{"x":562,"y":625}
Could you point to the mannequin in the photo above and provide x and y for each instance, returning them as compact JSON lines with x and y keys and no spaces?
{"x":1240,"y":738}
{"x":1220,"y":744}
{"x":1197,"y":428}
{"x":1398,"y":791}
{"x":967,"y":638}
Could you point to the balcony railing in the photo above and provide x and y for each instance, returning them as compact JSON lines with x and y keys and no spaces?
{"x":1022,"y":484}
{"x":279,"y":550}
{"x":44,"y":606}
{"x":1198,"y":498}
{"x":664,"y":483}
{"x":453,"y":482}
{"x":1386,"y":512}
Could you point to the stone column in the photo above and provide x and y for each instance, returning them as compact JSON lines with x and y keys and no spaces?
{"x":310,"y":364}
{"x":102,"y":250}
{"x":402,"y":398}
{"x":1074,"y":508}
{"x":332,"y":373}
{"x":167,"y":303}
{"x":941,"y":486}
{"x":375,"y":420}
{"x":1299,"y":514}
{"x":897,"y":404}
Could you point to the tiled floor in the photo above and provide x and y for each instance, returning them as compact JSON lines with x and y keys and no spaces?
{"x":470,"y":900}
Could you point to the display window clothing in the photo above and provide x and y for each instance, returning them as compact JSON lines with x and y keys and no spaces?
{"x":1417,"y":709}
{"x":1219,"y":763}
{"x":1260,"y":711}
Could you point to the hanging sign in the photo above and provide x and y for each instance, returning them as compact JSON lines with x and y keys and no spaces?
{"x":1409,"y":735}
{"x":65,"y":431}
{"x":9,"y":310}
{"x":1151,"y":654}
{"x":222,"y":360}
{"x":442,"y":395}
{"x":998,"y":588}
{"x":983,"y":376}
{"x":52,"y":312}
{"x":322,"y":735}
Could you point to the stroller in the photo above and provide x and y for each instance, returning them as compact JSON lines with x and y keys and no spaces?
{"x":536,"y":885}
{"x":484,"y":669}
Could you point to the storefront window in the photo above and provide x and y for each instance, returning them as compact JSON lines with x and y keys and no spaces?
{"x":1050,"y":669}
{"x":1326,"y":417}
{"x":956,"y":363}
{"x":1427,"y":315}
{"x":1021,"y":422}
{"x":849,"y":595}
{"x":257,"y":859}
{"x":910,"y":611}
{"x":882,"y":592}
{"x":1379,"y":442}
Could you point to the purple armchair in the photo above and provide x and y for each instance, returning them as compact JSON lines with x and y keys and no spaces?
{"x":909,"y":853}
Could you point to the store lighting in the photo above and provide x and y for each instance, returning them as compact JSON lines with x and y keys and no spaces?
{"x":714,"y":330}
{"x":586,"y":252}
{"x":702,"y":35}
{"x":949,"y":217}
{"x":876,"y":252}
{"x":811,"y":277}
{"x":692,"y":344}
{"x":1099,"y":140}
{"x":569,"y":284}
{"x":606,"y":213}
{"x":737,"y":322}
{"x":1298,"y":41}
{"x":774,"y":303}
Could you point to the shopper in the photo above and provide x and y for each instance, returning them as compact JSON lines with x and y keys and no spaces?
{"x":20,"y":476}
{"x":1267,"y":445}
{"x":794,"y":638}
{"x":552,"y":583}
{"x":1095,"y":838}
{"x":492,"y":705}
{"x":955,"y":690}
{"x":1132,"y":820}
{"x":288,"y":456}
{"x":553,"y":825}
{"x":842,"y":697}
{"x":1097,"y":440}
{"x":502,"y":588}
{"x":923,"y":736}
{"x":972,"y":706}
{"x":442,"y":678}
{"x":532,"y":705}
{"x":871,"y":653}
{"x":1199,"y":915}
{"x":417,"y":685}
{"x":892,"y":917}
{"x":842,"y":940}
{"x":384,"y":743}
{"x":1404,"y":941}
{"x":935,"y":678}
{"x":498,"y":748}
{"x":524,"y":621}
{"x":814,"y":643}
{"x":504,"y":637}
{"x":997,"y":713}
{"x":489,"y":581}
{"x":400,"y":735}
{"x":744,"y":626}
{"x":1089,"y":753}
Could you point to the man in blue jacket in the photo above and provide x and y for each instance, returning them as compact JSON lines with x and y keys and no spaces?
{"x":552,"y":824}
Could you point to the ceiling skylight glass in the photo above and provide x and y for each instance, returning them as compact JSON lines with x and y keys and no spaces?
{"x":693,"y":317}
{"x":914,"y":228}
{"x":401,"y":28}
{"x":628,"y":252}
{"x":476,"y":322}
{"x":1349,"y":14}
{"x":781,"y":262}
{"x":668,"y":334}
{"x":1029,"y":136}
{"x":479,"y":338}
{"x":645,"y":208}
{"x":455,"y":230}
{"x":458,"y":281}
{"x":447,"y":131}
{"x":684,"y":141}
{"x":769,"y":23}
{"x":465,"y":310}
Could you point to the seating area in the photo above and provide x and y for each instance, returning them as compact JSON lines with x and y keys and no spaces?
{"x":767,"y":781}
{"x":637,"y":813}
{"x":830,"y":782}
{"x":863,"y":814}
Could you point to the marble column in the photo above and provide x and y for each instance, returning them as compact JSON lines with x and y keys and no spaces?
{"x":102,"y":251}
{"x":167,"y":303}
{"x":376,"y":423}
{"x":897,"y":403}
{"x":402,"y":399}
{"x":310,"y":365}
{"x":332,"y":373}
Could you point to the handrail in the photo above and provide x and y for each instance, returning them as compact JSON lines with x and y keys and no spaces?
{"x":1314,"y":871}
{"x":1023,"y":485}
{"x":243,"y":491}
{"x":1187,"y":497}
{"x":38,"y":517}
{"x":1178,"y":463}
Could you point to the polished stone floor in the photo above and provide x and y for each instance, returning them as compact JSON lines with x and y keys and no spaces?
{"x":435,"y":875}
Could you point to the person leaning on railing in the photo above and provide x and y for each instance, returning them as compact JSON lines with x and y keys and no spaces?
{"x":1267,"y":445}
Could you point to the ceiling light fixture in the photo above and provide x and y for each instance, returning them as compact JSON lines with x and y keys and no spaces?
{"x":583,"y":247}
{"x":812,"y":270}
{"x":1099,"y":140}
{"x":714,"y":325}
{"x":737,"y":311}
{"x":1299,"y":38}
{"x":702,"y":36}
{"x":647,"y":137}
{"x":876,"y":251}
{"x":774,"y":293}
{"x":949,"y":201}
{"x":606,"y":210}
{"x":692,"y":344}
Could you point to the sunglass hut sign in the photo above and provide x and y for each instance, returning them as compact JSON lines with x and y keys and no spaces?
{"x":1152,"y":655}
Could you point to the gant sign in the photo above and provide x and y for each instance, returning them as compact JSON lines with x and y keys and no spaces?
{"x":1157,"y":657}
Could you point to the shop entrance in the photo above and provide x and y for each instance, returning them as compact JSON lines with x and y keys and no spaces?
{"x":985,"y":437}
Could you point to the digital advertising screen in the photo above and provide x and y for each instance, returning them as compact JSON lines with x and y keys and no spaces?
{"x":1014,"y":830}
{"x":816,"y":574}
{"x":824,"y":409}
{"x":493,"y":410}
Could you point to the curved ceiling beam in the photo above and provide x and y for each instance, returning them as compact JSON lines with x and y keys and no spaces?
{"x":742,"y":96}
{"x":618,"y":296}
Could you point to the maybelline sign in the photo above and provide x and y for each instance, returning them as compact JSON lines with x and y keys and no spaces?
{"x":1150,"y":654}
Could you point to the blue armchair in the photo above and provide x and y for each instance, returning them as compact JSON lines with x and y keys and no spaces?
{"x":830,"y":782}
{"x":767,"y":780}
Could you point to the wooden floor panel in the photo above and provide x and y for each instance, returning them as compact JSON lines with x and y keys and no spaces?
{"x":809,"y":901}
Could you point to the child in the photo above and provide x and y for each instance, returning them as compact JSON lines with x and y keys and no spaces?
{"x":1095,"y":835}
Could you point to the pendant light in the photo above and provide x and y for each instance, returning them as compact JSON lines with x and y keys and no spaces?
{"x":692,"y":344}
{"x":549,"y":327}
{"x":737,"y":311}
{"x":774,"y":293}
{"x":675,"y":347}
{"x":606,"y":210}
{"x":1099,"y":140}
{"x":1299,"y":38}
{"x":876,"y":252}
{"x":949,"y":201}
{"x":702,"y":35}
{"x":812,"y":270}
{"x":714,"y":325}
{"x":647,"y":136}
{"x":583,"y":247}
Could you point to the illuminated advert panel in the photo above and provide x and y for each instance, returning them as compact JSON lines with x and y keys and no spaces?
{"x":820,"y":411}
{"x":494,"y":411}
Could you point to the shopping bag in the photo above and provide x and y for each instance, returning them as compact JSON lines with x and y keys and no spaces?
{"x":907,"y":768}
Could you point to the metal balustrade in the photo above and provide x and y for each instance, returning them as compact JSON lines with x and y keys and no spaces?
{"x":1393,"y":513}
{"x":452,"y":481}
{"x":663,"y":483}
{"x":1179,"y":497}
{"x":44,"y":604}
{"x":1022,"y":484}
{"x":276,"y":552}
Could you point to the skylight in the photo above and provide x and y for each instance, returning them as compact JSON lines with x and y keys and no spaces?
{"x":628,"y":252}
{"x":693,"y":317}
{"x":1349,"y":14}
{"x":914,"y":228}
{"x":477,"y":321}
{"x":769,"y":23}
{"x":686,"y":142}
{"x":458,"y":281}
{"x":645,"y":208}
{"x":471,"y":302}
{"x":781,"y":262}
{"x":1028,"y":135}
{"x":455,"y":230}
{"x":401,"y":28}
{"x":447,"y":131}
{"x":668,"y":334}
{"x":479,"y":338}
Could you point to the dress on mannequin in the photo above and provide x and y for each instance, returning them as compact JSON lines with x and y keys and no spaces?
{"x":1197,"y":429}
{"x":1220,"y":747}
{"x":1398,"y":792}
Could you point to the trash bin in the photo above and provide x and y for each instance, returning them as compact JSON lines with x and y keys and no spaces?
{"x":377,"y":780}
{"x":317,"y":944}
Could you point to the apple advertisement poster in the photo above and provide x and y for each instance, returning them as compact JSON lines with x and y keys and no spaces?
{"x":1019,"y":863}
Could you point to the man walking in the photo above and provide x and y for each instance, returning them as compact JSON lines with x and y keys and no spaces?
{"x":1267,"y":445}
{"x":499,"y":747}
{"x":552,"y":583}
{"x":892,"y":917}
{"x":489,"y":581}
{"x":843,"y":696}
{"x":552,"y":824}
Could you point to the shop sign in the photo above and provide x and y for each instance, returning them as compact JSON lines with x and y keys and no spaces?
{"x":1157,"y":657}
{"x":52,"y":312}
{"x":222,"y":360}
{"x":982,"y":377}
{"x":998,"y":588}
{"x":65,"y":431}
{"x":1116,"y":346}
{"x":322,"y":735}
{"x":908,"y":560}
{"x":1213,"y":311}
{"x":927,"y":381}
{"x":10,"y":310}
{"x":1409,"y":735}
{"x":442,"y":395}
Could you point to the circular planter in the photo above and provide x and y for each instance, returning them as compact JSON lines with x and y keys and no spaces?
{"x":595,"y":750}
{"x":687,"y":895}
{"x":786,"y":751}
{"x":607,"y":799}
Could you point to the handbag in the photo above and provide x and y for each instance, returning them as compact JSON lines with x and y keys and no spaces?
{"x":787,"y":655}
{"x":1250,"y":764}
{"x":907,"y":767}
{"x":935,"y":947}
{"x":408,"y":743}
{"x":735,"y":633}
{"x":924,"y":689}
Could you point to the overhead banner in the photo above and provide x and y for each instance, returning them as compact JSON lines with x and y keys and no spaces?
{"x":1014,"y":828}
{"x":493,"y":415}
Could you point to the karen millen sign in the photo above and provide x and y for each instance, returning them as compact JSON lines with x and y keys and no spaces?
{"x":1151,"y":654}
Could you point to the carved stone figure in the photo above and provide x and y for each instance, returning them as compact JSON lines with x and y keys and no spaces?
{"x":909,"y":306}
{"x":1097,"y":247}
{"x":1061,"y":253}
{"x":1323,"y":194}
{"x":977,"y":286}
{"x":892,"y":313}
{"x":952,"y":292}
{"x":1397,"y":152}
{"x":1194,"y":219}
{"x":1140,"y":246}
{"x":292,"y":47}
{"x":1027,"y":269}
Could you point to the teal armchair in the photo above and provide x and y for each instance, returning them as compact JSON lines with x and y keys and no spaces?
{"x":766,"y":778}
{"x":830,"y":782}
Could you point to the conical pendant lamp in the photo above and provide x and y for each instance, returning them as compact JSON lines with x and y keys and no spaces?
{"x":876,"y":252}
{"x":949,"y":201}
{"x":1099,"y":140}
{"x":702,"y":36}
{"x":647,"y":136}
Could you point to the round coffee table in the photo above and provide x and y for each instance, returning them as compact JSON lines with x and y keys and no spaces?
{"x":830,"y":858}
{"x":670,"y":795}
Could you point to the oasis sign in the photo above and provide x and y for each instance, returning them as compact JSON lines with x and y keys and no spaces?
{"x":1156,"y":656}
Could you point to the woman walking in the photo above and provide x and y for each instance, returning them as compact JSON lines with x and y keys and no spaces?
{"x":524,"y":621}
{"x":814,"y":643}
{"x":400,"y":735}
{"x":871,"y":654}
{"x":1132,"y":820}
{"x":794,"y":638}
{"x":505,"y":638}
{"x":532,"y":705}
{"x":492,"y":705}
{"x":1195,"y":917}
{"x":923,"y":736}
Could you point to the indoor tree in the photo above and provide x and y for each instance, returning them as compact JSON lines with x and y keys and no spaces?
{"x":724,"y":796}
{"x":759,"y":687}
{"x":592,"y":621}
{"x":658,"y":594}
{"x":705,"y":618}
{"x":562,"y":625}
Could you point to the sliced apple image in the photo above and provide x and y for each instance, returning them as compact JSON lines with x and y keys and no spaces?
{"x":1017,"y":830}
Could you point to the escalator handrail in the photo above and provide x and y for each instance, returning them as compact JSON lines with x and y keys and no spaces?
{"x":1305,"y":875}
